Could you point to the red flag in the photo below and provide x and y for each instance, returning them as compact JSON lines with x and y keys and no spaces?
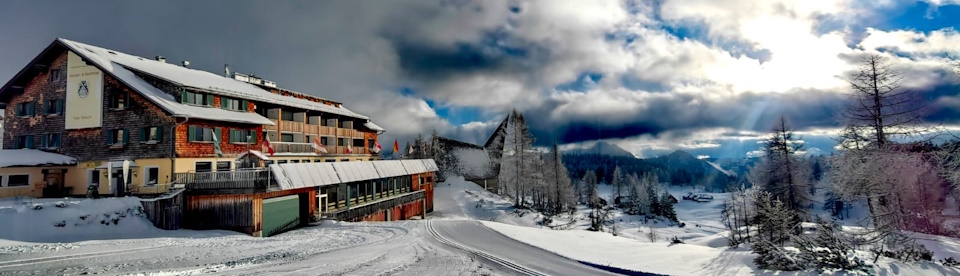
{"x":396,"y":146}
{"x":266,"y":144}
{"x":348,"y":148}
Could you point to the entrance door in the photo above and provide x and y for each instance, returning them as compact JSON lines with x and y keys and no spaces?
{"x":280,"y":214}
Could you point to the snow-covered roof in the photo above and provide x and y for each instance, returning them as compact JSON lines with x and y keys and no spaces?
{"x":106,"y":60}
{"x":389,"y":168}
{"x":355,"y":171}
{"x":256,"y":153}
{"x":32,"y":157}
{"x":374,"y":127}
{"x":430,"y":165}
{"x":204,"y":80}
{"x":302,"y":175}
{"x":414,"y":166}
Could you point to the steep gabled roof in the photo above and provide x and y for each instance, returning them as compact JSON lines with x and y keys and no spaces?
{"x":206,"y":81}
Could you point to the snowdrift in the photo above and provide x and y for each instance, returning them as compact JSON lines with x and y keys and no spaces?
{"x":68,"y":220}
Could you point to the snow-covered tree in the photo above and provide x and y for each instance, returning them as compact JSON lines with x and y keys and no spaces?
{"x":516,"y":164}
{"x":738,"y":215}
{"x":781,"y":172}
{"x":637,"y":195}
{"x":588,"y":189}
{"x":830,"y":248}
{"x":446,"y":161}
{"x":618,"y":182}
{"x":561,"y":192}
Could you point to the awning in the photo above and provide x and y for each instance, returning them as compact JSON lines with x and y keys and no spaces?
{"x":116,"y":164}
{"x":414,"y":166}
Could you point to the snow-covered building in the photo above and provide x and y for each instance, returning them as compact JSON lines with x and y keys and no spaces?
{"x":134,"y":123}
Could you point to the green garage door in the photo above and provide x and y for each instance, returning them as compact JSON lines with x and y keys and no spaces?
{"x":280,"y":214}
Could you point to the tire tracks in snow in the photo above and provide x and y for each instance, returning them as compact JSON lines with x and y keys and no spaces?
{"x":511,"y":265}
{"x":78,"y":256}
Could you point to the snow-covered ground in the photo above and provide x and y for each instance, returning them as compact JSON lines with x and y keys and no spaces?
{"x":704,"y":252}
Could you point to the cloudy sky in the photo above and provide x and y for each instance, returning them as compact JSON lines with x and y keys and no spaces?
{"x":706,"y":76}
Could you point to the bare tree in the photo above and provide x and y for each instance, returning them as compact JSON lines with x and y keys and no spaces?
{"x":880,"y":108}
{"x":781,"y":172}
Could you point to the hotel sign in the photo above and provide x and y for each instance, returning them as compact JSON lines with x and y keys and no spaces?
{"x":84,"y":104}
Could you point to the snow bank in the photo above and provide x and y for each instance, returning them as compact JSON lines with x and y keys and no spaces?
{"x":67,"y":220}
{"x":608,"y":250}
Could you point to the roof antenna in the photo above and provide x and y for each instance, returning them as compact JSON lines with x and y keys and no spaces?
{"x":226,"y":70}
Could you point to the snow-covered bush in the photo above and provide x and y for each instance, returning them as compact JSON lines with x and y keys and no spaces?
{"x":830,"y":248}
{"x":772,"y":256}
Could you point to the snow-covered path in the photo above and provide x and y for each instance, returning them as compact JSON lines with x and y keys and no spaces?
{"x":328,"y":248}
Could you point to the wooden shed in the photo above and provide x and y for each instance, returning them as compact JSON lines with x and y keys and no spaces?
{"x":259,"y":214}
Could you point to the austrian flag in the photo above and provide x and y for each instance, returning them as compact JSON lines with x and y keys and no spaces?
{"x":376,"y":147}
{"x":266,"y":144}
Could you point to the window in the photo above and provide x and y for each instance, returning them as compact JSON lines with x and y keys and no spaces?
{"x":50,"y":141}
{"x":151,"y":135}
{"x":281,"y":161}
{"x":358,"y":143}
{"x":202,"y":134}
{"x":330,"y":160}
{"x":203,"y":167}
{"x":151,"y":176}
{"x":286,"y":137}
{"x":118,"y":137}
{"x":243,"y":136}
{"x":233,"y":104}
{"x":328,"y":122}
{"x":26,"y":109}
{"x":346,"y":124}
{"x":223,"y":166}
{"x":18,"y":180}
{"x":342,"y":142}
{"x":306,"y":160}
{"x":55,"y":75}
{"x":196,"y":98}
{"x":286,"y":116}
{"x":119,"y":100}
{"x":268,"y":162}
{"x":294,"y":161}
{"x":344,"y":160}
{"x":54,"y":107}
{"x":24,"y":142}
{"x":326,"y":141}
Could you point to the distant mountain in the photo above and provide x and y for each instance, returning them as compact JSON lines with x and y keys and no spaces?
{"x":603,"y":148}
{"x":686,"y":169}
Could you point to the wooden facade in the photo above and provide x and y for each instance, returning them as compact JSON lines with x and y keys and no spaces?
{"x":241,"y":212}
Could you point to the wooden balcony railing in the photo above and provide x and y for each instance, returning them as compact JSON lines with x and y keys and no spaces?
{"x":328,"y":131}
{"x":239,"y":179}
{"x":291,"y":126}
{"x":292,"y":147}
{"x":312,"y":129}
{"x":344,"y":132}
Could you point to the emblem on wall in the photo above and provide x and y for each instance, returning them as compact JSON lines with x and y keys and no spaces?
{"x":83,"y":90}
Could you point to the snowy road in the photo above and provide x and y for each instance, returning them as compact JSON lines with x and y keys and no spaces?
{"x":449,"y":243}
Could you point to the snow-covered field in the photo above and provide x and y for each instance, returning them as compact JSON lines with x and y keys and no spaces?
{"x":704,"y":252}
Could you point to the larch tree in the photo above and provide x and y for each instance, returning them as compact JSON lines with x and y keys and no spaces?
{"x":880,"y":111}
{"x":781,"y":172}
{"x":562,"y":196}
{"x":619,"y":183}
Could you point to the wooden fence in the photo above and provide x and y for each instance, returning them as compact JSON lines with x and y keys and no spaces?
{"x":165,"y":212}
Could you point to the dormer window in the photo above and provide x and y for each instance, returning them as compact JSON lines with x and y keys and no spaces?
{"x":233,"y":104}
{"x":193,"y":98}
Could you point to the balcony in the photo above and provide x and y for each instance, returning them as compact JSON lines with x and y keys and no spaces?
{"x":292,"y":147}
{"x":291,"y":126}
{"x":312,"y":129}
{"x":328,"y":131}
{"x":258,"y":179}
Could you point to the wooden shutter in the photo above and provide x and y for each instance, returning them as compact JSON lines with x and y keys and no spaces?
{"x":159,"y":134}
{"x":43,"y":141}
{"x":183,"y":97}
{"x":126,"y":136}
{"x":42,"y":111}
{"x":209,"y":100}
{"x":30,"y":142}
{"x":218,"y":131}
{"x":143,"y":134}
{"x":191,"y":133}
{"x":19,"y":109}
{"x":110,"y":137}
{"x":60,"y":106}
{"x":243,"y":105}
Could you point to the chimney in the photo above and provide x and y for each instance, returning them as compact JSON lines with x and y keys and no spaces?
{"x":161,"y":59}
{"x":186,"y":64}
